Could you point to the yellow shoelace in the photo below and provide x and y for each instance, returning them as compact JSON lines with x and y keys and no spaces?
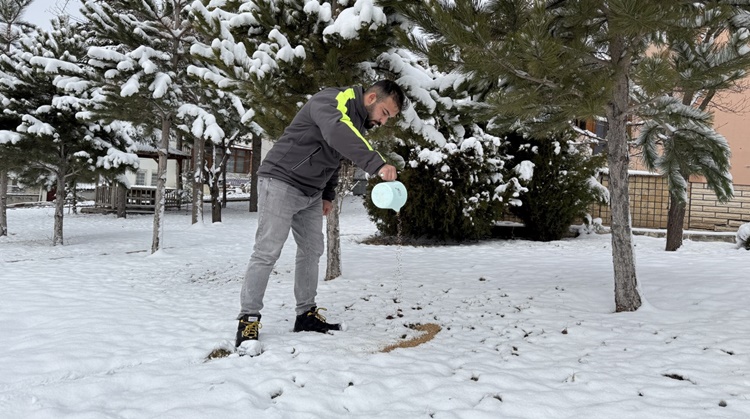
{"x":251,"y":329}
{"x":317,"y":314}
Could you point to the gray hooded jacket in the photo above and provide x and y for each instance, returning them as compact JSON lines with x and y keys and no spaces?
{"x":328,"y":128}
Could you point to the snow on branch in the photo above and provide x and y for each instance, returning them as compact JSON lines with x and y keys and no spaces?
{"x":209,"y":76}
{"x":351,"y":20}
{"x":323,"y":11}
{"x":525,"y":170}
{"x":9,"y":137}
{"x":99,"y":54}
{"x":131,"y":87}
{"x":160,"y":85}
{"x":116,"y":158}
{"x":53,"y":66}
{"x":204,"y":123}
{"x":72,"y":84}
{"x":144,"y":54}
{"x":34,"y":126}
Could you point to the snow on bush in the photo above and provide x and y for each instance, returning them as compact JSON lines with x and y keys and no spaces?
{"x":743,"y":236}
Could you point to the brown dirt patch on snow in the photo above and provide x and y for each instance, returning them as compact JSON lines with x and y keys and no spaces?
{"x":430,"y":329}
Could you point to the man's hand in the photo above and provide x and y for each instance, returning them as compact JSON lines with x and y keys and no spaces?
{"x":387,"y":172}
{"x":327,"y":207}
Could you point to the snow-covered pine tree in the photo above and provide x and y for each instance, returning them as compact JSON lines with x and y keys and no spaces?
{"x":296,"y":48}
{"x":56,"y":133}
{"x":694,"y":66}
{"x":215,"y":125}
{"x":142,"y":61}
{"x":562,"y":61}
{"x":275,"y":54}
{"x":573,"y":59}
{"x":12,"y":27}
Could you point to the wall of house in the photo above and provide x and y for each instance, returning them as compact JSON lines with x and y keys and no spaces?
{"x":732,"y":120}
{"x":151,"y":166}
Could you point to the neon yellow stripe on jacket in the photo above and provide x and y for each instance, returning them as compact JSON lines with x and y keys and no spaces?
{"x":341,"y":100}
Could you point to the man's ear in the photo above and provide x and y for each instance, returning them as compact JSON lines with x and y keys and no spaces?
{"x":370,"y":98}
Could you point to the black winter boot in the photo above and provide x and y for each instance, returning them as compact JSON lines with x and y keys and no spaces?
{"x":248,"y":328}
{"x":313,"y":321}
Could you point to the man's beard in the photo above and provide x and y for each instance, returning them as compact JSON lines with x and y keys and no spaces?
{"x":369,"y":123}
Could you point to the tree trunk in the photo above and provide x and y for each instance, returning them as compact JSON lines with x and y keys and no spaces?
{"x":676,"y":214}
{"x":121,"y":200}
{"x":215,"y":202}
{"x":675,"y":223}
{"x":74,"y":202}
{"x":180,"y":185}
{"x":224,"y":183}
{"x":214,"y":187}
{"x":333,"y":233}
{"x":3,"y":202}
{"x":676,"y":219}
{"x":623,"y":256}
{"x":57,"y":237}
{"x":255,"y":164}
{"x":158,"y":236}
{"x":333,"y":245}
{"x":199,"y":151}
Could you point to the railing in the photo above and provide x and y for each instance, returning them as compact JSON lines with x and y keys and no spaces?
{"x":138,"y":198}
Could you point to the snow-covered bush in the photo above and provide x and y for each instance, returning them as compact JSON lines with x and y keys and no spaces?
{"x":743,"y":236}
{"x":561,"y":188}
{"x":455,"y":192}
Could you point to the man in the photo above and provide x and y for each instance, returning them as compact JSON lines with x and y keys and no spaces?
{"x":296,"y":183}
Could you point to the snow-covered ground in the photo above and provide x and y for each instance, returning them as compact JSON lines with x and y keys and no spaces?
{"x":99,"y":329}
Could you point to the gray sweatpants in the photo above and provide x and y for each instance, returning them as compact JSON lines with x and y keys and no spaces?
{"x":282,"y":207}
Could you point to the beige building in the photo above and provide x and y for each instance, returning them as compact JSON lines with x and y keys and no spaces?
{"x":649,"y":194}
{"x":734,"y":125}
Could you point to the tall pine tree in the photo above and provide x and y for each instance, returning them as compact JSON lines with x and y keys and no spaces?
{"x":695,"y":65}
{"x":275,"y":54}
{"x":561,"y":60}
{"x":142,"y":62}
{"x":60,"y":139}
{"x":12,"y":28}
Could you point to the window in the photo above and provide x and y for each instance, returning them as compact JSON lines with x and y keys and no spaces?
{"x":140,"y":177}
{"x":599,"y":127}
{"x":154,"y":178}
{"x":239,"y":161}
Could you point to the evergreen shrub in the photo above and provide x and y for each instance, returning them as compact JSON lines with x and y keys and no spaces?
{"x":455,"y":192}
{"x":562,"y":187}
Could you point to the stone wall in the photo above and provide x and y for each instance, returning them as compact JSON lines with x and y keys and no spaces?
{"x":649,"y":205}
{"x":705,"y":213}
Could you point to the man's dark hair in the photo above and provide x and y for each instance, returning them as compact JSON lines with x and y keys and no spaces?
{"x":388,"y":88}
